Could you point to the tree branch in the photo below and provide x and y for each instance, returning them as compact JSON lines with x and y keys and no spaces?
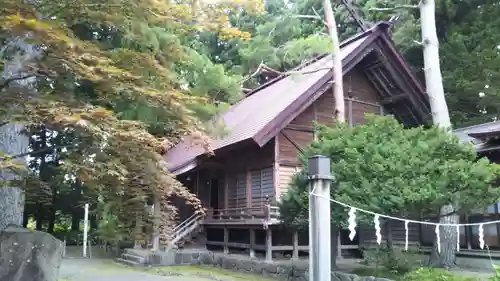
{"x":398,"y":7}
{"x":263,"y":66}
{"x":29,"y":153}
{"x":316,"y":16}
{"x":4,"y":83}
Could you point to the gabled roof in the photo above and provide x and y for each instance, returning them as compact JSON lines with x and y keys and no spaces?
{"x":480,"y":134}
{"x":269,"y":108}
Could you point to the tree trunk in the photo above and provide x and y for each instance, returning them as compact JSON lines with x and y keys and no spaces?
{"x":39,"y":217}
{"x":338,"y":76}
{"x":75,"y":221}
{"x":334,"y":246}
{"x":388,"y":234}
{"x":12,"y":141}
{"x":448,"y":241}
{"x":26,"y":219}
{"x":52,"y":220}
{"x":93,"y":222}
{"x":432,"y":66}
{"x":440,"y":117}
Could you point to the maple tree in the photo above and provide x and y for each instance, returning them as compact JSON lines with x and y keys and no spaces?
{"x":106,"y":73}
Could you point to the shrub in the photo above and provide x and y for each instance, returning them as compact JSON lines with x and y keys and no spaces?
{"x":496,"y":277}
{"x":434,"y":274}
{"x":394,"y":260}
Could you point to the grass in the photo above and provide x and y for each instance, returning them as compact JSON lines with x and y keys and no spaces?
{"x":378,"y":272}
{"x":221,"y":274}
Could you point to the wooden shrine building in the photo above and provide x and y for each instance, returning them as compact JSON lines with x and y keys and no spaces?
{"x":253,"y":164}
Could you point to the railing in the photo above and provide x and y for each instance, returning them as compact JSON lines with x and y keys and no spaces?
{"x":266,"y":212}
{"x":185,"y":222}
{"x":185,"y":228}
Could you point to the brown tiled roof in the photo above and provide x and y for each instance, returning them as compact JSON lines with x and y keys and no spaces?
{"x":253,"y":117}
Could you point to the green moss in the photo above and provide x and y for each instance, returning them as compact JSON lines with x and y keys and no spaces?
{"x":110,"y":267}
{"x":213,"y":271}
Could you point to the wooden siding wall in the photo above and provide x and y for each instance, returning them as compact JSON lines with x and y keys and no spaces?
{"x":249,"y":177}
{"x":237,"y":193}
{"x":262,"y":182}
{"x":361,"y":98}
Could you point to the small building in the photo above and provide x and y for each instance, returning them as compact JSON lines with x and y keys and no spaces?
{"x":486,"y":138}
{"x":253,"y":164}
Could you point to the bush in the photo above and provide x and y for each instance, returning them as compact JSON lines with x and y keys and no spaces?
{"x":496,"y":277}
{"x":433,"y":274}
{"x":394,"y":260}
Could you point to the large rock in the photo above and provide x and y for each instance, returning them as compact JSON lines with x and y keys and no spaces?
{"x":27,"y":255}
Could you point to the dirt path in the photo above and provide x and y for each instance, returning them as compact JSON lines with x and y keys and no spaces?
{"x":105,"y":270}
{"x":78,"y":269}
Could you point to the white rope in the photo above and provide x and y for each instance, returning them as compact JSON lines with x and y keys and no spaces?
{"x":402,"y":219}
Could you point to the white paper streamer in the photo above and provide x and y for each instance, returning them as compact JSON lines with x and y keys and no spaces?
{"x":458,"y":238}
{"x":376,"y":220}
{"x":406,"y":235}
{"x":481,"y":237}
{"x":352,"y":223}
{"x":438,"y":239}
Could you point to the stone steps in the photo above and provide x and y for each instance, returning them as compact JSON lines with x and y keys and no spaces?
{"x":133,"y":257}
{"x":129,"y":262}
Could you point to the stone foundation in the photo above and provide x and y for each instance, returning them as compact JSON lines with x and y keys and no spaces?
{"x":283,"y":272}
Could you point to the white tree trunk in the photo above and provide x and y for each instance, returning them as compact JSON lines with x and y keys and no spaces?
{"x":440,"y":117}
{"x":432,"y":66}
{"x":338,"y":87}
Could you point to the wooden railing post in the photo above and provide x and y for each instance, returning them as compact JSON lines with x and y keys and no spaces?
{"x":267,"y":209}
{"x":210,"y":213}
{"x":252,"y":243}
{"x":226,"y":240}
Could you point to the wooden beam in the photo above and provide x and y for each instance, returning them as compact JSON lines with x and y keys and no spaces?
{"x":288,"y":163}
{"x":276,"y":168}
{"x":295,"y":144}
{"x":269,"y":244}
{"x":403,"y":85}
{"x":252,"y":243}
{"x":295,"y":242}
{"x":300,"y":128}
{"x":249,"y":188}
{"x":394,"y":99}
{"x":226,"y":190}
{"x":226,"y":240}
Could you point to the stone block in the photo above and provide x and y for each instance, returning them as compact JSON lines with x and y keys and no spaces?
{"x":27,"y":255}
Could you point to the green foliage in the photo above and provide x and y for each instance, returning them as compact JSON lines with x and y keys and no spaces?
{"x":394,"y":260}
{"x":383,"y":167}
{"x":495,"y":277}
{"x":432,"y":274}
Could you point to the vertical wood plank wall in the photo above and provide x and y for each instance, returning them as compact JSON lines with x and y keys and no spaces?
{"x":250,"y":176}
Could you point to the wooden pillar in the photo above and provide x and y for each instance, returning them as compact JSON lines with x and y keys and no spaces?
{"x":249,"y":189}
{"x":269,"y":244}
{"x":339,"y":247}
{"x":226,"y":240}
{"x":156,"y":223}
{"x":226,"y":191}
{"x":468,"y":233}
{"x":295,"y":243}
{"x":252,"y":243}
{"x":138,"y":232}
